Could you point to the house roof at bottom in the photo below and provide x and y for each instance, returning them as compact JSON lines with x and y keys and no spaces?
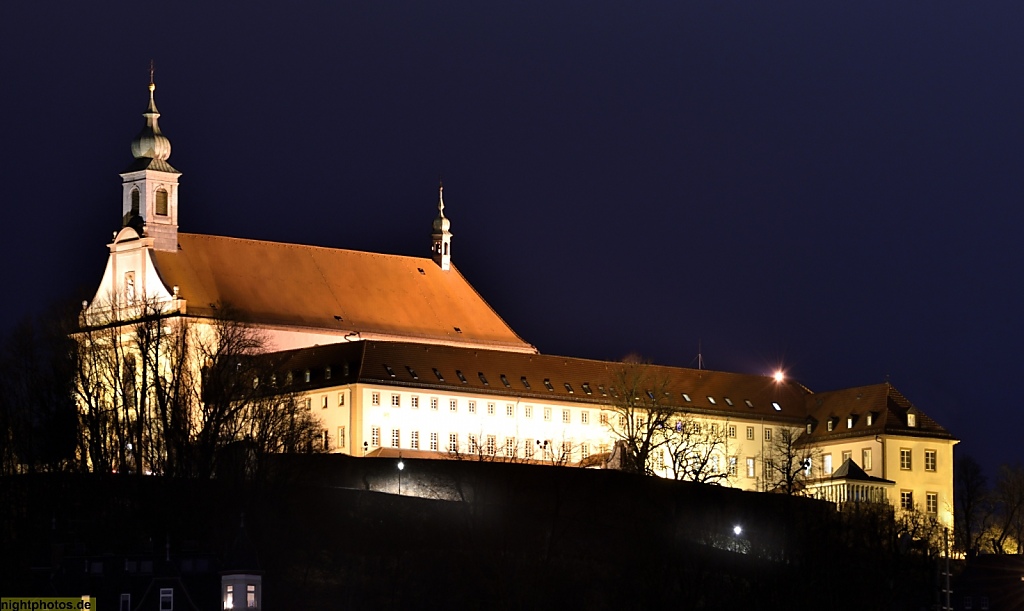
{"x":332,"y":290}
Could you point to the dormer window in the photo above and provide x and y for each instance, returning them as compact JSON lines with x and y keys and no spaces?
{"x":849,"y":422}
{"x":911,"y":420}
{"x":871,"y":419}
{"x":831,"y":425}
{"x":161,"y":202}
{"x":307,"y":375}
{"x":810,"y":427}
{"x":327,"y":373}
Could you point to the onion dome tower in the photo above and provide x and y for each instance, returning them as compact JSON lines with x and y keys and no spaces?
{"x":441,"y":236}
{"x":149,"y":201}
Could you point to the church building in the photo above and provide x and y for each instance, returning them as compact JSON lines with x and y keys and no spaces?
{"x":401,"y":355}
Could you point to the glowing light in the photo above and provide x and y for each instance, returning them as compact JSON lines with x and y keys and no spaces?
{"x":401,"y":465}
{"x":779,"y":376}
{"x":737,"y":530}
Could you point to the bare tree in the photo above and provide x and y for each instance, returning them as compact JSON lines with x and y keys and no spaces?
{"x":1008,"y":527}
{"x":697,"y":449}
{"x":787,"y":461}
{"x":639,"y":415}
{"x":973,"y":505}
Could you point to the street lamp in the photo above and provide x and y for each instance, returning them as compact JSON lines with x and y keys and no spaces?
{"x":737,"y":530}
{"x":401,"y":467}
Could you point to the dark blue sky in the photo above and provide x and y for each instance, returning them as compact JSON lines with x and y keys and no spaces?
{"x":834,"y":187}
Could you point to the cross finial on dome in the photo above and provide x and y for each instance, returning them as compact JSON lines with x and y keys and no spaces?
{"x":442,"y":237}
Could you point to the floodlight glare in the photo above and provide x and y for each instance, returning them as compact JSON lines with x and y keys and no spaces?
{"x":737,"y":530}
{"x":779,"y":376}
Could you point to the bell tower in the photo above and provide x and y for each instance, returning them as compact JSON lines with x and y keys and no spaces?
{"x":441,"y":236}
{"x":149,"y":200}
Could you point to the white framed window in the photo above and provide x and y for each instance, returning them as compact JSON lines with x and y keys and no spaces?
{"x":911,"y":420}
{"x":375,"y":436}
{"x":453,"y":405}
{"x":930,"y":460}
{"x":865,"y":459}
{"x":250,"y":596}
{"x":433,"y":442}
{"x":622,"y":422}
{"x":750,"y":432}
{"x":659,"y":459}
{"x":528,"y":448}
{"x":341,"y":438}
{"x":490,"y":409}
{"x":375,"y":398}
{"x":414,"y":440}
{"x":453,"y":442}
{"x":906,"y":459}
{"x":396,"y":438}
{"x":566,"y":416}
{"x":732,"y":466}
{"x":396,"y":400}
{"x":528,"y":411}
{"x":433,"y":403}
{"x":492,"y":445}
{"x":602,"y":419}
{"x":830,"y":425}
{"x":847,"y":455}
{"x":750,"y":467}
{"x":166,"y":599}
{"x":510,"y":446}
{"x":906,"y":499}
{"x":566,"y":451}
{"x":584,"y":450}
{"x":472,"y":444}
{"x":931,"y":502}
{"x":767,"y":434}
{"x":414,"y":402}
{"x":584,"y":417}
{"x":510,"y":410}
{"x":471,"y":406}
{"x":547,"y":414}
{"x":732,"y":431}
{"x":826,"y":464}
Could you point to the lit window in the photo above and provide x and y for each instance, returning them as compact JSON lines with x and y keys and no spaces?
{"x":622,"y":421}
{"x":306,"y":375}
{"x":510,"y":447}
{"x":911,"y":420}
{"x":396,"y":438}
{"x":711,"y":400}
{"x":453,"y":442}
{"x":732,"y":431}
{"x":849,"y":422}
{"x":433,"y":442}
{"x":906,"y":499}
{"x":865,"y":459}
{"x":453,"y":405}
{"x":375,"y":398}
{"x":547,"y":414}
{"x":906,"y":462}
{"x":732,"y":466}
{"x":471,"y":406}
{"x":414,"y":440}
{"x":566,"y":416}
{"x":490,"y":409}
{"x":528,"y":448}
{"x":749,"y":404}
{"x":602,"y":418}
{"x":341,"y":437}
{"x":584,"y":450}
{"x":472,"y":444}
{"x":414,"y":402}
{"x":777,"y":407}
{"x":250,"y":596}
{"x":750,"y":467}
{"x":491,"y":445}
{"x":829,"y":424}
{"x":810,"y":427}
{"x":931,"y":502}
{"x":528,"y":411}
{"x":826,"y":464}
{"x":396,"y":400}
{"x":870,"y":419}
{"x":728,"y":401}
{"x":510,"y":410}
{"x":375,"y":436}
{"x":767,"y":434}
{"x":686,"y":398}
{"x":585,"y":417}
{"x":433,"y":403}
{"x":750,"y":432}
{"x":929,"y":460}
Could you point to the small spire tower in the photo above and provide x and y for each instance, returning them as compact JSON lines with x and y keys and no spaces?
{"x":149,"y":201}
{"x":442,"y":237}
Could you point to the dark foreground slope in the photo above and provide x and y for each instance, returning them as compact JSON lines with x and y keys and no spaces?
{"x":332,"y":532}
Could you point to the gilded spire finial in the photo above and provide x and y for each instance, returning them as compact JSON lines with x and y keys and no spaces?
{"x":440,"y":197}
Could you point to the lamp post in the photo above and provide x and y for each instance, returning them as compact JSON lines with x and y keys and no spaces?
{"x":401,"y":467}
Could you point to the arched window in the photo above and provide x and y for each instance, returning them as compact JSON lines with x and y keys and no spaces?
{"x":135,"y":201}
{"x":161,"y":202}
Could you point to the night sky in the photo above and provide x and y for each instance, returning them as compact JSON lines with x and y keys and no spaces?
{"x":833,"y":187}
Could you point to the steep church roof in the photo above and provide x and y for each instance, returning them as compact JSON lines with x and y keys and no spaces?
{"x":370,"y":294}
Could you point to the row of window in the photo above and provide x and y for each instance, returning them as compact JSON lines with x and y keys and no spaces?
{"x":488,"y":444}
{"x":931,"y":501}
{"x":490,"y":408}
{"x":907,"y":459}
